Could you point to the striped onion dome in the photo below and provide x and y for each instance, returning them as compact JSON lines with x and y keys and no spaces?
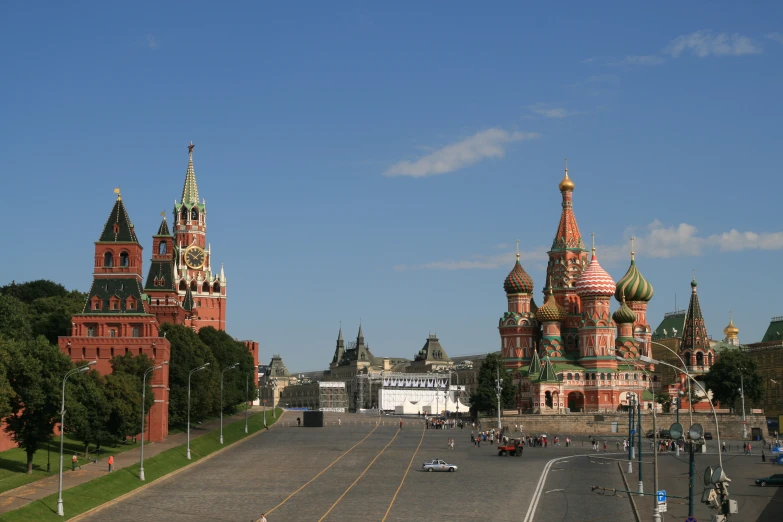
{"x":551,"y":310}
{"x":633,"y":286}
{"x":624,"y":314}
{"x":518,"y":281}
{"x":594,"y":281}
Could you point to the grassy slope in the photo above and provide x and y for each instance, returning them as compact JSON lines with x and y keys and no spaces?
{"x":81,"y":498}
{"x":13,"y":462}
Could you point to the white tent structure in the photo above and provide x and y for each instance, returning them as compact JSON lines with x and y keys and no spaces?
{"x":406,"y":408}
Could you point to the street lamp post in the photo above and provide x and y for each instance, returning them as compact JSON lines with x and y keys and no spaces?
{"x":742,"y":394}
{"x":62,"y":435}
{"x":679,"y":402}
{"x":143,"y":402}
{"x":194,"y":370}
{"x":247,"y":396}
{"x":631,"y":403}
{"x":684,"y":370}
{"x":222,"y":374}
{"x":639,"y":429}
{"x":498,"y":389}
{"x":273,"y":382}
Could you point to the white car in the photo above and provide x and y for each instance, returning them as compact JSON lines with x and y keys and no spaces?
{"x":438,"y":465}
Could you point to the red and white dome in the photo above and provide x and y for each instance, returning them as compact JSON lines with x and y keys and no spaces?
{"x":594,"y":281}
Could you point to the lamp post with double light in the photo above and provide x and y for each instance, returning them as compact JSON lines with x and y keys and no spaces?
{"x":684,"y":370}
{"x":742,"y":394}
{"x":222,"y":376}
{"x":73,"y":371}
{"x":143,"y":416}
{"x":498,"y":390}
{"x":194,"y":370}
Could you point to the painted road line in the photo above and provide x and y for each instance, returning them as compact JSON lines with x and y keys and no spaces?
{"x":531,"y":509}
{"x":553,"y":490}
{"x":335,"y":461}
{"x":359,"y":477}
{"x":388,"y":510}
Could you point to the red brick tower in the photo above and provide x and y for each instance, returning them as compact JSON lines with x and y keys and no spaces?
{"x":161,"y":285}
{"x":567,"y":259}
{"x":116,"y":319}
{"x":518,"y":327}
{"x":193,"y":270}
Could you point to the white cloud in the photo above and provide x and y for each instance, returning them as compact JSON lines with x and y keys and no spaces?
{"x":489,"y":143}
{"x":655,"y":241}
{"x":549,"y":111}
{"x":152,"y":42}
{"x":705,"y":43}
{"x":778,"y":37}
{"x":647,"y":59}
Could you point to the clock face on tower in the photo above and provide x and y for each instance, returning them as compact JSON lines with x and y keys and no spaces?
{"x":194,"y":256}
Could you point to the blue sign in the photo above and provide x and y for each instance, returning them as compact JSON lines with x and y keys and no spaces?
{"x":633,"y":432}
{"x":691,"y":519}
{"x":661,"y":496}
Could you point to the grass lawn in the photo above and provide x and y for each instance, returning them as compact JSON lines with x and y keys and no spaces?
{"x":86,"y":496}
{"x":13,"y":462}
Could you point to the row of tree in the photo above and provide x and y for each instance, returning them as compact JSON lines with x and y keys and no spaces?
{"x":99,"y":408}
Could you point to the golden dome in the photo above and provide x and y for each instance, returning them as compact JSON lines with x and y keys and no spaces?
{"x":566,"y":185}
{"x":731,"y":331}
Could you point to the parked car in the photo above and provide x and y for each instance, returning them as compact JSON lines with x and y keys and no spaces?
{"x":707,"y":435}
{"x":438,"y":465}
{"x":662,"y":434}
{"x":772,"y":480}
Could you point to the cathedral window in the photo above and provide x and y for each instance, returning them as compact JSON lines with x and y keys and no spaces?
{"x":194,"y":215}
{"x":96,"y":305}
{"x":626,"y":377}
{"x":635,"y":376}
{"x":183,"y":286}
{"x":136,"y":331}
{"x":205,"y":287}
{"x":569,"y":376}
{"x":90,"y":331}
{"x":183,"y":215}
{"x":603,"y":377}
{"x":123,"y":259}
{"x":162,"y":248}
{"x":112,"y":332}
{"x":699,"y":359}
{"x":193,"y":286}
{"x":108,"y":259}
{"x":216,"y":288}
{"x":592,"y":376}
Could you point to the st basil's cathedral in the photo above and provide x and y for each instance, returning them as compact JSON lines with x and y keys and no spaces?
{"x":564,"y":354}
{"x":123,"y":314}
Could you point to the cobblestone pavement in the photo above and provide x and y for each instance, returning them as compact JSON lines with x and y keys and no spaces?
{"x":259,"y":475}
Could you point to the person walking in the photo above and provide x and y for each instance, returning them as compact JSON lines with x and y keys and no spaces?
{"x":111,"y":463}
{"x":74,"y":460}
{"x":262,"y":519}
{"x":723,"y":449}
{"x":400,"y":423}
{"x":763,"y":456}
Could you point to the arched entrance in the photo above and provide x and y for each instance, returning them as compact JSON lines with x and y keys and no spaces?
{"x":576,"y":401}
{"x":548,"y":399}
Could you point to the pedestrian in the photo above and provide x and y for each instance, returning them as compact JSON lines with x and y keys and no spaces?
{"x":339,"y":423}
{"x":298,"y":421}
{"x":262,"y":519}
{"x":618,"y":445}
{"x":74,"y":459}
{"x":763,"y":456}
{"x":111,"y":463}
{"x":724,"y":447}
{"x":604,"y":444}
{"x":400,"y":423}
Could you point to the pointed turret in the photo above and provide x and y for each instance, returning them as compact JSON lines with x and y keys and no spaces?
{"x":188,"y":303}
{"x":695,"y":341}
{"x":340,"y":348}
{"x":548,"y":372}
{"x":118,"y":227}
{"x":360,"y":336}
{"x":731,"y":332}
{"x":535,"y":365}
{"x":190,"y":190}
{"x":163,"y":229}
{"x":222,"y":274}
{"x":568,"y":235}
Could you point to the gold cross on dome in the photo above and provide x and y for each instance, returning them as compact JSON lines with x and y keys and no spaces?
{"x":593,"y":236}
{"x":517,"y":249}
{"x":632,"y":240}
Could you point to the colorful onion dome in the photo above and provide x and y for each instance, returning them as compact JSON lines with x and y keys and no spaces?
{"x":594,"y":281}
{"x":633,"y":286}
{"x":518,"y":281}
{"x":551,"y":310}
{"x":566,"y":185}
{"x":624,"y":315}
{"x":731,"y":331}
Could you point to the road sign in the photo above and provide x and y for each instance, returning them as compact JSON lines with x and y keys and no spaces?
{"x":691,"y":519}
{"x":661,"y":496}
{"x":662,"y":508}
{"x":633,"y":432}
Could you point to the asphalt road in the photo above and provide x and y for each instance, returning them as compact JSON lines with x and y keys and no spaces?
{"x":358,"y":471}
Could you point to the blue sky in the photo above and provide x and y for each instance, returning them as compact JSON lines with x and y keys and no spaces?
{"x":378,"y":160}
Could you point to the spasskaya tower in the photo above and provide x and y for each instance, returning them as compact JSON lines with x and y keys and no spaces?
{"x":200,"y":289}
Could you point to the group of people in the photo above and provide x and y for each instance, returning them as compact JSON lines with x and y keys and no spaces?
{"x":483,"y":436}
{"x":442,"y":424}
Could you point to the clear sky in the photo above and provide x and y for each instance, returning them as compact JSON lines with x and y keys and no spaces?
{"x":379,"y":160}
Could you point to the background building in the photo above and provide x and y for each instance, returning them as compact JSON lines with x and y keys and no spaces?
{"x":768,"y":354}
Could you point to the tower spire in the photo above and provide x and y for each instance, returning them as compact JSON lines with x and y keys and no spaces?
{"x":632,"y":252}
{"x":190,"y":190}
{"x":517,"y":250}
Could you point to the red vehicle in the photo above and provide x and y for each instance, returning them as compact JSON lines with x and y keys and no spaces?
{"x":511,"y":448}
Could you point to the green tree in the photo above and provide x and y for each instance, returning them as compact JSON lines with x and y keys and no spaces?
{"x":228,"y":351}
{"x":123,"y":396}
{"x":484,"y":399}
{"x":14,"y":319}
{"x":51,"y":316}
{"x":36,"y":370}
{"x":87,"y":415}
{"x":724,"y":378}
{"x":187,"y":353}
{"x":6,"y":391}
{"x":32,"y":290}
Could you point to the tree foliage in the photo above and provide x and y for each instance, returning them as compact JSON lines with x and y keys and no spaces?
{"x":38,"y":308}
{"x":36,"y":370}
{"x":724,"y":378}
{"x":87,"y":417}
{"x":187,"y":353}
{"x":228,"y":351}
{"x":484,"y":398}
{"x":14,"y":319}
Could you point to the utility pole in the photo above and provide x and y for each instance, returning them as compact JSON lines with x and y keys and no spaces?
{"x":742,"y":393}
{"x":641,"y":482}
{"x":498,"y":389}
{"x":630,"y":435}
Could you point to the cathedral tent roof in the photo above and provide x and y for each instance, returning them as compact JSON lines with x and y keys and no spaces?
{"x":163,"y":229}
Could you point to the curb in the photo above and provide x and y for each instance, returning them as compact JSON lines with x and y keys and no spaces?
{"x":175,"y":472}
{"x":630,"y":495}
